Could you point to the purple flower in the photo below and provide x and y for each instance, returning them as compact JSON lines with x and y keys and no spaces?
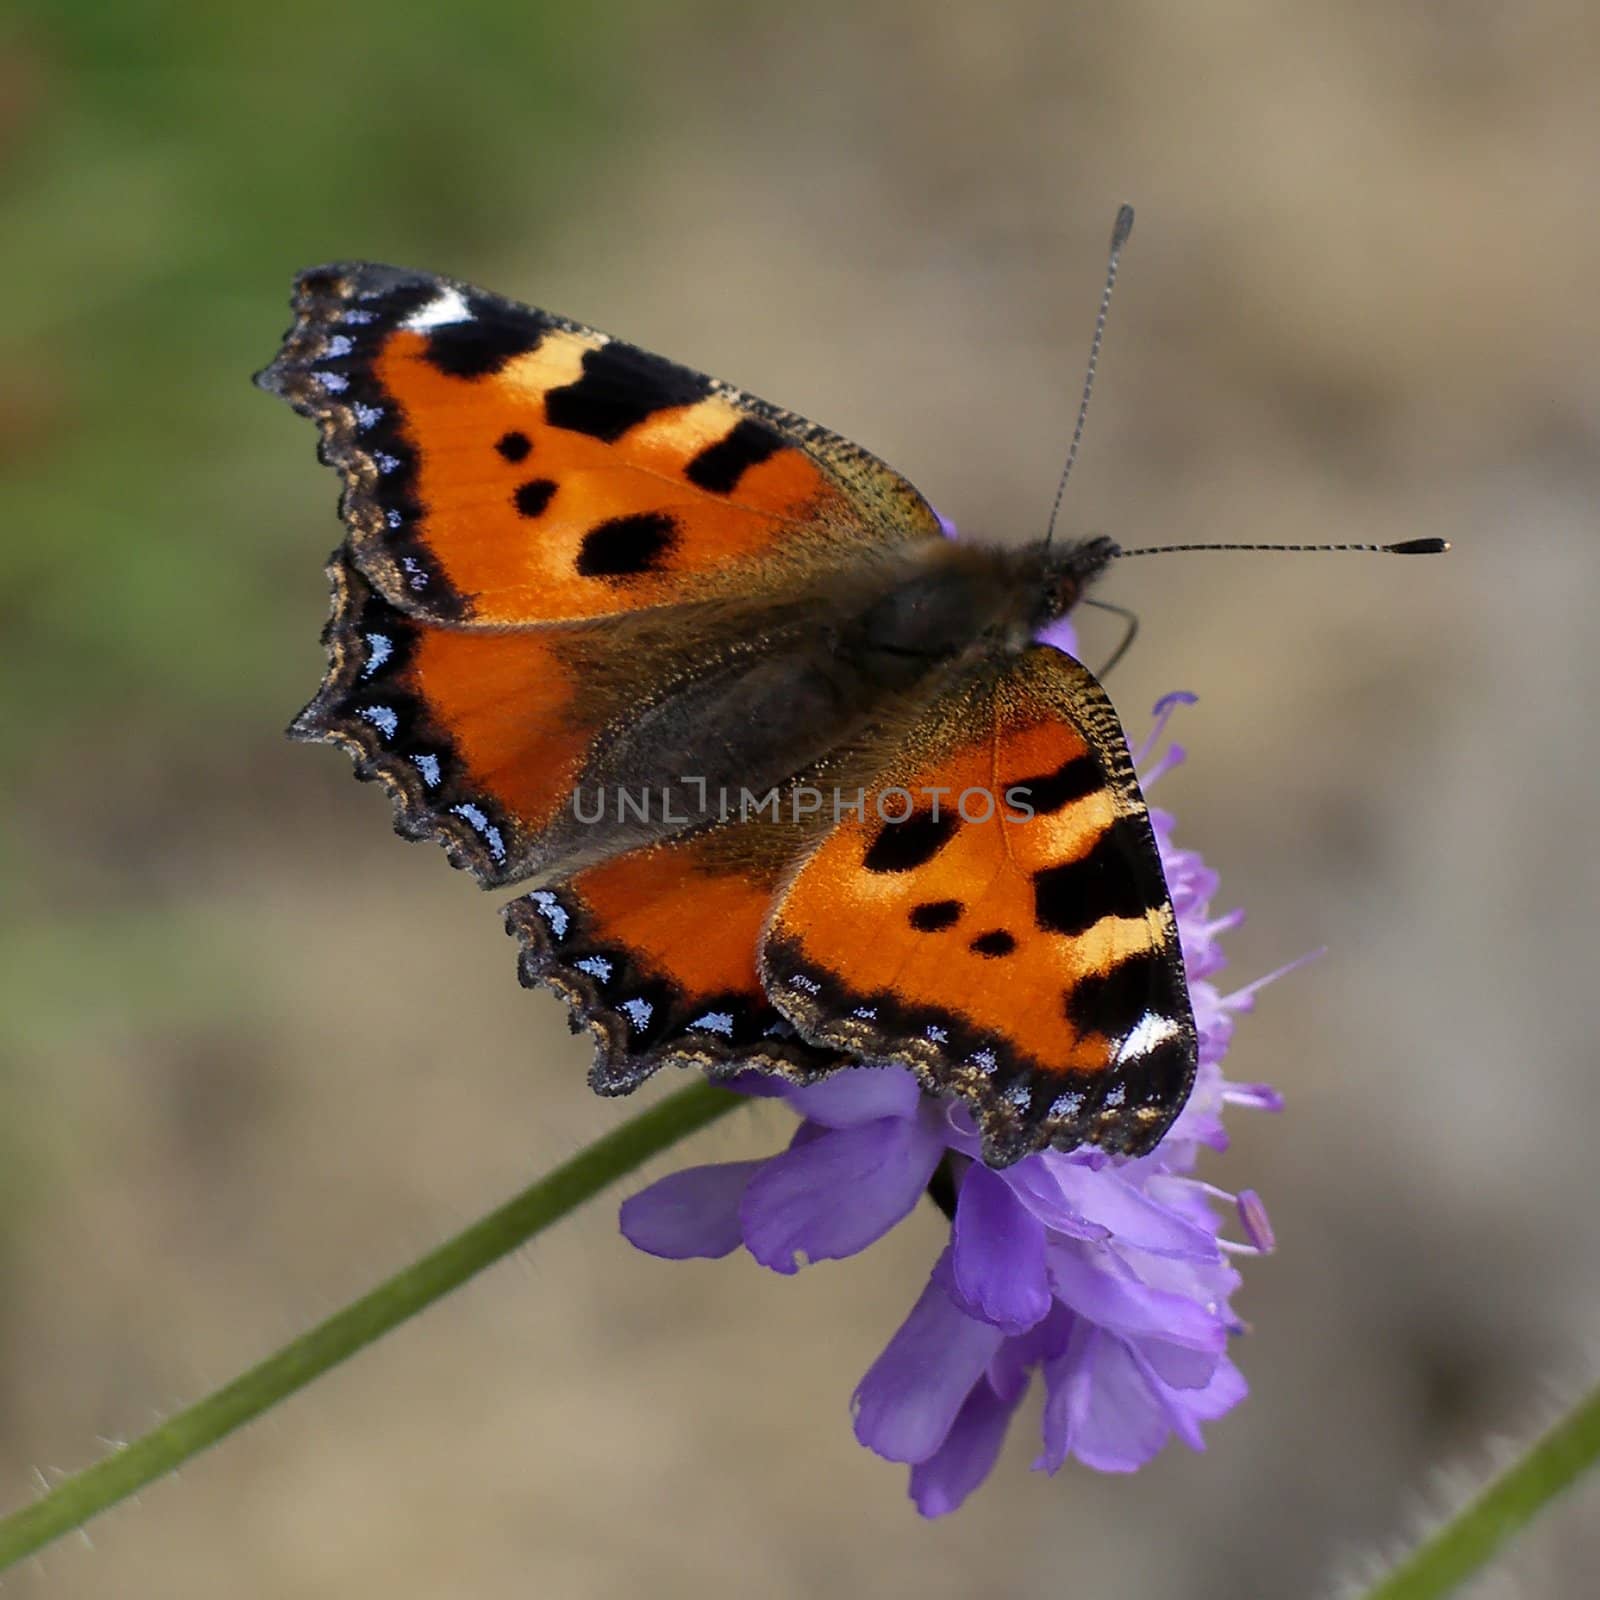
{"x":1109,"y":1278}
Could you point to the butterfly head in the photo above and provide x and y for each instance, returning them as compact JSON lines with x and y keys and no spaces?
{"x":946,"y":598}
{"x":1057,"y":575}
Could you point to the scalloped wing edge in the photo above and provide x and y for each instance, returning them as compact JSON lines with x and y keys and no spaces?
{"x":544,"y":920}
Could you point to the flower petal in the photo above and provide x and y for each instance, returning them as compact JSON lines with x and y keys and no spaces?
{"x":1175,"y":1366}
{"x":1128,"y":1306}
{"x":857,"y":1094}
{"x":1186,"y":1408}
{"x":1225,"y":1390}
{"x":968,"y":1454}
{"x":1034,"y":1181}
{"x":912,"y":1394}
{"x":836,"y":1192}
{"x":1203,"y":1283}
{"x":1100,"y":1408}
{"x":1126,"y":1211}
{"x":690,"y":1213}
{"x":1014,"y":1361}
{"x":997,"y":1254}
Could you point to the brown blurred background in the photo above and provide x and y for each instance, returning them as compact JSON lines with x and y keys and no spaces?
{"x":255,"y":1052}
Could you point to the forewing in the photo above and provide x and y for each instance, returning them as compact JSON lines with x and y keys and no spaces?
{"x":504,"y":466}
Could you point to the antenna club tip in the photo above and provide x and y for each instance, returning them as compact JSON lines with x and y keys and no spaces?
{"x":1419,"y":547}
{"x":1122,"y":227}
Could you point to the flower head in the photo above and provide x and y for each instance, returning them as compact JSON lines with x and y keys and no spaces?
{"x":1110,"y":1279}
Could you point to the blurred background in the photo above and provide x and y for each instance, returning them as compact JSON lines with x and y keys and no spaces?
{"x":1359,"y":305}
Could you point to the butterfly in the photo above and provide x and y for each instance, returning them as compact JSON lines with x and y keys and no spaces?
{"x":789,"y":781}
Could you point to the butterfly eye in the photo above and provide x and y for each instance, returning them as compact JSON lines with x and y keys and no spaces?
{"x":1068,"y":571}
{"x":1057,"y":596}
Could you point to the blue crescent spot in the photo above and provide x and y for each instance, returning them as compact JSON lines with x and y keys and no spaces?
{"x":552,"y":911}
{"x":382,"y":718}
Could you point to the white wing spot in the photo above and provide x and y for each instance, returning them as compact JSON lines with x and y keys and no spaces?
{"x":339,"y":345}
{"x":333,"y":382}
{"x":639,"y":1012}
{"x":1115,"y":1098}
{"x":985,"y":1061}
{"x":1019,"y":1094}
{"x":394,"y":519}
{"x":368,"y":415}
{"x":415,"y":576}
{"x":715,"y":1022}
{"x":382,"y":718}
{"x":596,"y":967}
{"x":866,"y":1013}
{"x":359,"y":318}
{"x":1066,"y":1105}
{"x":1150,"y":1030}
{"x":801,"y":981}
{"x":447,"y":306}
{"x":938,"y":1035}
{"x":386,"y":464}
{"x":428,"y":766}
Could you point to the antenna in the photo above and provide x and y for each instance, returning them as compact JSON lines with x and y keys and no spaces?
{"x":1120,"y":230}
{"x":1407,"y":547}
{"x":1130,"y":630}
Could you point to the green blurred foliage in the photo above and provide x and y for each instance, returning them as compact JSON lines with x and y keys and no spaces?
{"x":164,"y":169}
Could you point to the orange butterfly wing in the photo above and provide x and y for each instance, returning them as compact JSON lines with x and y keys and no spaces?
{"x":507,"y":472}
{"x":477,"y":735}
{"x":504,"y":466}
{"x":1017,"y":945}
{"x":656,"y":951}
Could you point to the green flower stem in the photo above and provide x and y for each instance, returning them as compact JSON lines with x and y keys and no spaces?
{"x":74,"y":1501}
{"x":1453,"y":1553}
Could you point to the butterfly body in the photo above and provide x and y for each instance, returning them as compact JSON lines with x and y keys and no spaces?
{"x":792,"y":781}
